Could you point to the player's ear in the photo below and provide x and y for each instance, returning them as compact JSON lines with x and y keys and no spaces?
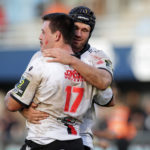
{"x":57,"y":35}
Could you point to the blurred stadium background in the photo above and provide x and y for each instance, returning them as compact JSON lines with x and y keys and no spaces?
{"x":122,"y":30}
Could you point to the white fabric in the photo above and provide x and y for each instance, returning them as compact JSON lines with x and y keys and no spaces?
{"x":49,"y":84}
{"x":103,"y":97}
{"x":98,"y":59}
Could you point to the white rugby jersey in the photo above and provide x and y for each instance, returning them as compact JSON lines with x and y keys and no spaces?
{"x":98,"y":59}
{"x":58,"y":90}
{"x":89,"y":117}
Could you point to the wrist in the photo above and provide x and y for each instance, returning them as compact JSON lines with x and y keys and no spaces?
{"x":73,"y":59}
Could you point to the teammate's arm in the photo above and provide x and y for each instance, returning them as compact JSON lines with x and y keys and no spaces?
{"x":33,"y":115}
{"x":99,"y":78}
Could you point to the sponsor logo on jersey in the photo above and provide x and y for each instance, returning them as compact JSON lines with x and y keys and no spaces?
{"x":21,"y":86}
{"x":73,"y":75}
{"x":98,"y":59}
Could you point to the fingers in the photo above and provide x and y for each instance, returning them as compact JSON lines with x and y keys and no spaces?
{"x":37,"y":117}
{"x":41,"y":118}
{"x":40,"y":114}
{"x":52,"y":60}
{"x":34,"y":121}
{"x":47,"y":53}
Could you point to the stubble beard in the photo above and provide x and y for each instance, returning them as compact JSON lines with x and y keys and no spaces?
{"x":78,"y":47}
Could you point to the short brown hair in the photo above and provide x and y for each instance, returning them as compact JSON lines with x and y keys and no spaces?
{"x":63,"y":23}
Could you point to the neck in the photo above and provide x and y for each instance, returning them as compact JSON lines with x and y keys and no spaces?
{"x":83,"y":49}
{"x":75,"y":50}
{"x":68,"y":48}
{"x":65,"y":47}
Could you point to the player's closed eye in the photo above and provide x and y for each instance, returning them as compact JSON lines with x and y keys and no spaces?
{"x":85,"y":30}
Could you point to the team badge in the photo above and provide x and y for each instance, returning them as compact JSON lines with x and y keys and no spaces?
{"x":21,"y":86}
{"x":108,"y":64}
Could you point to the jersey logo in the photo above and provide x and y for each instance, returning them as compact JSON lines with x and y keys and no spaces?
{"x":73,"y":75}
{"x":98,"y":59}
{"x":108,"y":64}
{"x":21,"y":86}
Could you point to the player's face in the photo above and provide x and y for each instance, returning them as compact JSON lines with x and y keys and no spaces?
{"x":46,"y":37}
{"x":82,"y":32}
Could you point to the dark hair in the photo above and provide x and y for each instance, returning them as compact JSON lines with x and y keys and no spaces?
{"x":63,"y":23}
{"x":83,"y":14}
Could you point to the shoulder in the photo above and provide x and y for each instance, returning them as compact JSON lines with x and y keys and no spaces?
{"x":94,"y":54}
{"x":35,"y":63}
{"x":99,"y":53}
{"x":36,"y":55}
{"x":98,"y":58}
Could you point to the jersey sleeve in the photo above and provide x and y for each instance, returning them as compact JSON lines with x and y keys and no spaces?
{"x":103,"y":97}
{"x":101,"y":60}
{"x":24,"y":90}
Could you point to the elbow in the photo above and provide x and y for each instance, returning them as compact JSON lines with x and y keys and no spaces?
{"x":104,"y":85}
{"x":104,"y":79}
{"x":105,"y":82}
{"x":10,"y":108}
{"x":7,"y":101}
{"x":11,"y":104}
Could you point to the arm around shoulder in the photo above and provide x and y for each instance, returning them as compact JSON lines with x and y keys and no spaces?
{"x":100,"y":78}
